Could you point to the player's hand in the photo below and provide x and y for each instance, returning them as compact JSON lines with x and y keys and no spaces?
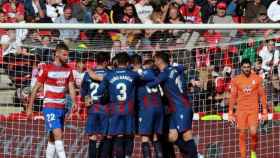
{"x":231,"y":119}
{"x":74,"y":111}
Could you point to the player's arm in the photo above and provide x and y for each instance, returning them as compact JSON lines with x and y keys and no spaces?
{"x":94,"y":76}
{"x":232,"y":101}
{"x":85,"y":90}
{"x":163,"y":76}
{"x":179,"y":67}
{"x":262,"y":94}
{"x":102,"y":87}
{"x":72,"y":92}
{"x":42,"y":76}
{"x":34,"y":91}
{"x":145,"y":75}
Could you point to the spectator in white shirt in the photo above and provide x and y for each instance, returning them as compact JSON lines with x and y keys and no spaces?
{"x":144,"y":11}
{"x":269,"y":55}
{"x":54,"y":9}
{"x":21,"y":34}
{"x":273,"y":11}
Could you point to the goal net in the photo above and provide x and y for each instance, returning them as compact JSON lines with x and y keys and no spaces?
{"x":211,"y":58}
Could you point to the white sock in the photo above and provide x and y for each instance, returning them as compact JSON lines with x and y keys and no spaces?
{"x":60,"y":149}
{"x":50,"y":152}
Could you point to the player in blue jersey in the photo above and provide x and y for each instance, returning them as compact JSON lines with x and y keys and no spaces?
{"x":121,"y":84}
{"x":174,"y":87}
{"x":150,"y":110}
{"x":98,"y":110}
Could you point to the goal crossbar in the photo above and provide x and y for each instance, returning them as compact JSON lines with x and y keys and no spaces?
{"x":136,"y":26}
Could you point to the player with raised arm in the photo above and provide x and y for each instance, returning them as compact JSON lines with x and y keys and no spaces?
{"x":246,"y":91}
{"x":150,"y":110}
{"x":174,"y":87}
{"x":56,"y":78}
{"x":98,"y":110}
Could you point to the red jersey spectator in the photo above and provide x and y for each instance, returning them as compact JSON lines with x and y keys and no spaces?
{"x":3,"y":19}
{"x":191,"y":12}
{"x":100,"y":16}
{"x":11,"y":8}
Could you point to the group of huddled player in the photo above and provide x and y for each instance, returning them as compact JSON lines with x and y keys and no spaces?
{"x":125,"y":97}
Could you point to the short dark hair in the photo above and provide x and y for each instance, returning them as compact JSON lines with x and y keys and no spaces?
{"x":136,"y":59}
{"x":164,"y":56}
{"x":122,"y":58}
{"x":245,"y":61}
{"x":102,"y":57}
{"x":61,"y":46}
{"x":259,"y":59}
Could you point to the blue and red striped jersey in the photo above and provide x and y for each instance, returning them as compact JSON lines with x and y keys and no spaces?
{"x":148,"y":97}
{"x":89,"y":88}
{"x":121,"y":83}
{"x":174,"y":86}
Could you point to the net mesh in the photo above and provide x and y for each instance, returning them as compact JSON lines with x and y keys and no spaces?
{"x":211,"y":60}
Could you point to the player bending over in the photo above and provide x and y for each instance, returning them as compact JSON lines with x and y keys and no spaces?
{"x":150,"y":110}
{"x":56,"y":79}
{"x":98,"y":110}
{"x":173,"y":82}
{"x":246,"y":90}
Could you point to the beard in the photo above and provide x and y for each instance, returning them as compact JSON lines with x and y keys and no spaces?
{"x":63,"y":62}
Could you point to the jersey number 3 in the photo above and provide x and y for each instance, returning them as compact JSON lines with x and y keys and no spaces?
{"x":122,"y":89}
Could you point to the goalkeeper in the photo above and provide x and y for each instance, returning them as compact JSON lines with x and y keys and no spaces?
{"x":246,"y":90}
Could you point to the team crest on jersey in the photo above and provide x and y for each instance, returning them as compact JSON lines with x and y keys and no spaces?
{"x":247,"y":89}
{"x":254,"y":82}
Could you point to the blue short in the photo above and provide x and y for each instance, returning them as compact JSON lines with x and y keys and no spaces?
{"x":181,"y":120}
{"x":121,"y":125}
{"x":150,"y":121}
{"x":54,"y":118}
{"x":97,"y":123}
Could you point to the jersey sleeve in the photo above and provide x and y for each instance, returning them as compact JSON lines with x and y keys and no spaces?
{"x":163,"y":76}
{"x":103,"y":85}
{"x":42,"y":75}
{"x":263,"y":96}
{"x":179,"y":67}
{"x":85,"y":87}
{"x":233,"y":96}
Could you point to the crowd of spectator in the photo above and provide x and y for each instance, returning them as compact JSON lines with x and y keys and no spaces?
{"x":211,"y":56}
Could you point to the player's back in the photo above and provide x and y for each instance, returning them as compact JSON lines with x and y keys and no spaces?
{"x":148,"y":97}
{"x":174,"y":89}
{"x":89,"y":87}
{"x":121,"y":84}
{"x":247,"y":90}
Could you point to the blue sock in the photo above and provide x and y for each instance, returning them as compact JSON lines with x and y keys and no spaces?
{"x":105,"y":149}
{"x":129,"y":144}
{"x":158,"y":149}
{"x":118,"y":148}
{"x":92,"y":149}
{"x":188,"y":148}
{"x":146,"y":150}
